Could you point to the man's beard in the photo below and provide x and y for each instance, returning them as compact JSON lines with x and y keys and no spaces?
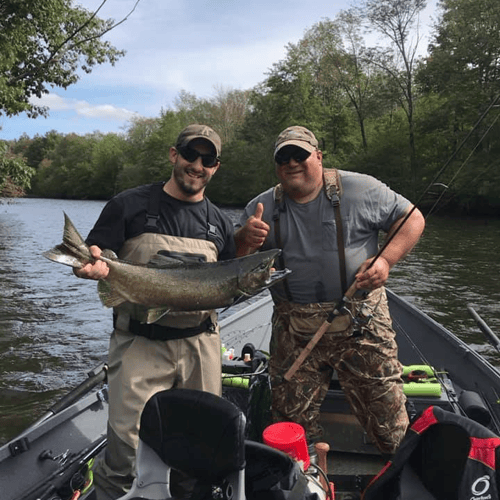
{"x":186,"y":187}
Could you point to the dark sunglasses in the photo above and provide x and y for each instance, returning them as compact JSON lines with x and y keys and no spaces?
{"x":191,"y":155}
{"x":283,"y":156}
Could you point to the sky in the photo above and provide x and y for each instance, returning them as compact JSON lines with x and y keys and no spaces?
{"x":172,"y":45}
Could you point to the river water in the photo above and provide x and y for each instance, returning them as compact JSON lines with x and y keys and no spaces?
{"x":53,"y":328}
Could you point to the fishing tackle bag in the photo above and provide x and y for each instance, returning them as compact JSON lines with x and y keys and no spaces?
{"x":443,"y":456}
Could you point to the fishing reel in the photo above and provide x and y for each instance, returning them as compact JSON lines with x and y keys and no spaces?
{"x":360,"y":320}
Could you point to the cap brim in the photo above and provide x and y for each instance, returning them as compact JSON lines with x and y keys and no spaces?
{"x":300,"y":144}
{"x":203,"y":138}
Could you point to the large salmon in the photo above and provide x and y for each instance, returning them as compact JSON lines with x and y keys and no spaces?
{"x":169,"y":284}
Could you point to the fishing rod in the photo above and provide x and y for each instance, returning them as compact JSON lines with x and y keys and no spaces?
{"x":488,"y":332}
{"x":461,"y":167}
{"x":435,"y":179}
{"x":349,"y":294}
{"x":95,"y":377}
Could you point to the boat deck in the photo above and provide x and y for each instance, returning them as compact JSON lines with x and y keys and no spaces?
{"x":353,"y":461}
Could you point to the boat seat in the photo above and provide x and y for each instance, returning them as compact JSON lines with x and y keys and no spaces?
{"x":444,"y":456}
{"x":195,"y":432}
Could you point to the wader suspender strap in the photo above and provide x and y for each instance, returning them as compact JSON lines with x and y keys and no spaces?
{"x":211,"y":227}
{"x":279,"y":206}
{"x":332,"y":187}
{"x":333,"y":190}
{"x":153,"y":215}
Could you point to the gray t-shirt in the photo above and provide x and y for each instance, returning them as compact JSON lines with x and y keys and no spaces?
{"x":309,"y":239}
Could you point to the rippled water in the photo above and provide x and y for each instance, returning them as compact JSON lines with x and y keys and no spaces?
{"x":53,"y":329}
{"x":455,"y":264}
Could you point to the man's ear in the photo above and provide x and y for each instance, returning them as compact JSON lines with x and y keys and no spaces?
{"x":172,"y":155}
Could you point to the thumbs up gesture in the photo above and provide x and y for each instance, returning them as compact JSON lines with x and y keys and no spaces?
{"x":250,"y":237}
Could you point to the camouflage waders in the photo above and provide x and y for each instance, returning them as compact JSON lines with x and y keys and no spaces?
{"x":366,"y":364}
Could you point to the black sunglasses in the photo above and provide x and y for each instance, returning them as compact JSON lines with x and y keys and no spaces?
{"x":191,"y":155}
{"x":283,"y":156}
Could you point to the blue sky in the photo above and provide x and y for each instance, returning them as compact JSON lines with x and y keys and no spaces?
{"x":174,"y":45}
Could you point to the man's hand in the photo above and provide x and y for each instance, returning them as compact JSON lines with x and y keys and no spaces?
{"x":375,"y":277}
{"x":250,"y":237}
{"x":400,"y":245}
{"x":97,"y":270}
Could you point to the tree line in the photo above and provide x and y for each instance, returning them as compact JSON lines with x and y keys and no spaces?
{"x":385,"y":110}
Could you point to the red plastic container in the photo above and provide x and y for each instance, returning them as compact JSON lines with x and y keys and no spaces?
{"x":290,"y":438}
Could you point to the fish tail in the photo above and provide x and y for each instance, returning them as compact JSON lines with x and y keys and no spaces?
{"x":73,"y":251}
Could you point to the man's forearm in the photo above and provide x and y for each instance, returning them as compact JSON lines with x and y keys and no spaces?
{"x":405,"y":239}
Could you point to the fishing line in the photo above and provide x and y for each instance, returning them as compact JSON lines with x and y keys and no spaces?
{"x":352,"y":289}
{"x":461,"y":167}
{"x":434,"y":181}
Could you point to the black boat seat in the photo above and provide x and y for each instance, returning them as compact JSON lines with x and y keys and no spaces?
{"x":191,"y":431}
{"x":444,"y":456}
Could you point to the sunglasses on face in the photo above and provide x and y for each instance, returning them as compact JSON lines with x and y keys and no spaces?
{"x":284,"y":156}
{"x":191,"y":155}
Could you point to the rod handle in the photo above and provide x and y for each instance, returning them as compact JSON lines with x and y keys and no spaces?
{"x":317,"y":336}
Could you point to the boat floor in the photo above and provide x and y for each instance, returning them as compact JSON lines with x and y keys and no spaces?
{"x":351,"y":472}
{"x":341,"y":463}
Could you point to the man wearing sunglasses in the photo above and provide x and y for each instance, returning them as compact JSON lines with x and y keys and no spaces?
{"x":180,"y":349}
{"x":327,"y":222}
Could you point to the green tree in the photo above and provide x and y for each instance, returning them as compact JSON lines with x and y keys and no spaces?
{"x":69,"y":173}
{"x":464,"y":55}
{"x":44,"y":43}
{"x":336,"y":50}
{"x":108,"y":158}
{"x":461,"y":76}
{"x":224,"y":112}
{"x":397,"y":20}
{"x":37,"y":149}
{"x":148,"y":143}
{"x":15,"y":174}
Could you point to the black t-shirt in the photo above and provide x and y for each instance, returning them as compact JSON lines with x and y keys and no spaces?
{"x":124,"y":217}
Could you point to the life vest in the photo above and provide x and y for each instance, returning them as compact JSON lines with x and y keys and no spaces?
{"x":444,"y":456}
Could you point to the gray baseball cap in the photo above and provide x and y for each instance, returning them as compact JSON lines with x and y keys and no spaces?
{"x":196,"y":131}
{"x":296,"y":136}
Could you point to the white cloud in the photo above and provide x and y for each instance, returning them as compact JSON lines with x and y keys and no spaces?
{"x":198,"y":70}
{"x":106,"y":112}
{"x":174,"y":45}
{"x":51,"y":101}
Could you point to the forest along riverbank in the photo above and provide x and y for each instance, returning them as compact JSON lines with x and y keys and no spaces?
{"x":53,"y":328}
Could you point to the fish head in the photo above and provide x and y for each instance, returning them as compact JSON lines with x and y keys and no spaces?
{"x":257,"y":273}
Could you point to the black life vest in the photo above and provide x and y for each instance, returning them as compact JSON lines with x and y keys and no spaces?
{"x":443,"y":456}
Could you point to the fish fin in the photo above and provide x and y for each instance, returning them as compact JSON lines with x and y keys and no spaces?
{"x":73,"y":251}
{"x":109,"y":254}
{"x":155,"y":313}
{"x":245,"y":295}
{"x":163,"y":262}
{"x":238,"y":300}
{"x":60,"y":255}
{"x":108,"y":296}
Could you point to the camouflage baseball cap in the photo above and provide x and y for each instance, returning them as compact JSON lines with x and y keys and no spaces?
{"x":296,"y":136}
{"x":196,"y":131}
